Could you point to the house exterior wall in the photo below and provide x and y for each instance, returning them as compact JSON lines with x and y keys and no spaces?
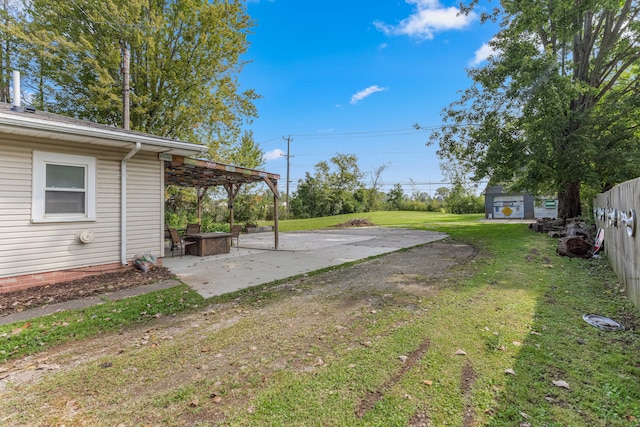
{"x":145,"y":205}
{"x":43,"y":253}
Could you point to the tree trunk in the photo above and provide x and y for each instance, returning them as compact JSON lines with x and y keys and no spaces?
{"x":574,"y":247}
{"x":569,"y":201}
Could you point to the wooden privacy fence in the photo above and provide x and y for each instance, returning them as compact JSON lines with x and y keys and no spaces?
{"x":616,"y":212}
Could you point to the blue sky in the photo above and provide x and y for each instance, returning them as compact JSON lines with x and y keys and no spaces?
{"x":353,"y":77}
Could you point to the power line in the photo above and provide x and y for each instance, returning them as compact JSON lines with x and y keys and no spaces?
{"x":357,"y":134}
{"x":371,"y":133}
{"x":368,"y":132}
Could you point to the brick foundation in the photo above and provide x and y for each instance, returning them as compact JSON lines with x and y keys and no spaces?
{"x":16,"y":283}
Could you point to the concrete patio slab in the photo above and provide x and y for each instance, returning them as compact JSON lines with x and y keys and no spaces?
{"x":256,"y":261}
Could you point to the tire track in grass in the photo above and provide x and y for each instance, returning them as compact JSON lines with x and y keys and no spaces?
{"x":467,"y":380}
{"x":370,"y":401}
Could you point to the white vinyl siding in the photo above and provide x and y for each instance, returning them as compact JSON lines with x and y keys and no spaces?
{"x":145,"y":199}
{"x":30,"y":248}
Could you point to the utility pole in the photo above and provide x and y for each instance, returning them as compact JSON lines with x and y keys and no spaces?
{"x":125,"y":84}
{"x":288,"y":156}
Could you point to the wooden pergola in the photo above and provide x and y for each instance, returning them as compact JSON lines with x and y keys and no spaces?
{"x":204,"y":174}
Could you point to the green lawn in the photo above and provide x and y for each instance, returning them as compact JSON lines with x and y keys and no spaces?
{"x":519,"y":312}
{"x":515,"y":311}
{"x":384,"y":219}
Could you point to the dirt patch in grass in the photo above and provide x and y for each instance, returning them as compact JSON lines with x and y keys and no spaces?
{"x":213,"y":362}
{"x":467,"y":379}
{"x":356,"y":222}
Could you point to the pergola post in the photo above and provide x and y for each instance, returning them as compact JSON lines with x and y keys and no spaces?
{"x":275,"y":220}
{"x":273,"y":186}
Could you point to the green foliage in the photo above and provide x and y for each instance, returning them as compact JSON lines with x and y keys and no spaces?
{"x":395,"y":197}
{"x":557,"y":96}
{"x":336,"y":189}
{"x":10,"y":14}
{"x":252,"y":206}
{"x":331,"y":190}
{"x":246,"y":154}
{"x":460,"y":200}
{"x":185,"y":57}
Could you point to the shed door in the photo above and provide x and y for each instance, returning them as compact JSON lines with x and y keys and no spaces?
{"x":508,"y":207}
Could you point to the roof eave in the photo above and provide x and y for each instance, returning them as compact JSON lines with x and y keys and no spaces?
{"x":34,"y":127}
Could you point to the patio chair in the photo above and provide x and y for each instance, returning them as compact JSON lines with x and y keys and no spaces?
{"x":178,"y":242}
{"x":192,"y":229}
{"x":235,"y":234}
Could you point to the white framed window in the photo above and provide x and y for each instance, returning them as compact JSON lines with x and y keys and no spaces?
{"x":64,"y":187}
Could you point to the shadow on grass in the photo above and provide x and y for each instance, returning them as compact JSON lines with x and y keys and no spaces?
{"x":601,"y":368}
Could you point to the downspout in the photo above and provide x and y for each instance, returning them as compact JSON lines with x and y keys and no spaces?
{"x":123,"y":203}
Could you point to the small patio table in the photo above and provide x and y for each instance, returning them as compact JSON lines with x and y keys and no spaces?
{"x":208,"y":243}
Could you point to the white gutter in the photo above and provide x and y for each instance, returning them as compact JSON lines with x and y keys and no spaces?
{"x":123,"y":203}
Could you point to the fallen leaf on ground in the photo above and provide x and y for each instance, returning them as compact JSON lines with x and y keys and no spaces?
{"x":561,"y":383}
{"x":460,"y":353}
{"x":427,"y":382}
{"x":509,"y":371}
{"x":17,"y":331}
{"x":403,"y":358}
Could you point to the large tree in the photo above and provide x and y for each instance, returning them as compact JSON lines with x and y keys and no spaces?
{"x":555,"y":108}
{"x":185,"y":58}
{"x":11,"y":12}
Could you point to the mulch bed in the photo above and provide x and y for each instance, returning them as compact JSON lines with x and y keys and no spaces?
{"x":17,"y":301}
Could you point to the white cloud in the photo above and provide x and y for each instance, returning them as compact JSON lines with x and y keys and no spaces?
{"x":273,"y":155}
{"x":428,"y":18}
{"x":482,"y":54}
{"x":364,"y":93}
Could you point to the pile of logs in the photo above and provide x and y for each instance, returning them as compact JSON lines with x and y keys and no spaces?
{"x":575,"y":238}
